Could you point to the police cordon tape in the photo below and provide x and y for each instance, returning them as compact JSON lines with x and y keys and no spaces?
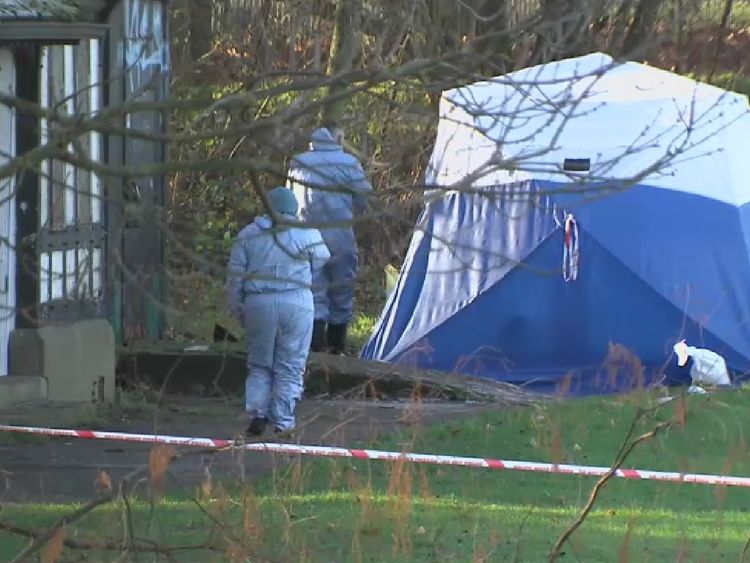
{"x":432,"y":459}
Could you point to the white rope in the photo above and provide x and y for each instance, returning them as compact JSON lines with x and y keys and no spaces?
{"x":570,"y":249}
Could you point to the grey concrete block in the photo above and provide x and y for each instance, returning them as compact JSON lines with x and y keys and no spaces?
{"x":96,"y":343}
{"x":25,"y":352}
{"x":76,"y":359}
{"x":17,"y":390}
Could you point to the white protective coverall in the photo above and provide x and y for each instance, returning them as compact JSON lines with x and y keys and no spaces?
{"x":269,"y":291}
{"x":708,"y":368}
{"x":332,"y":189}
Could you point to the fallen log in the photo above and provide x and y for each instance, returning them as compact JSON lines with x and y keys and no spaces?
{"x":431,"y":382}
{"x":220,"y":368}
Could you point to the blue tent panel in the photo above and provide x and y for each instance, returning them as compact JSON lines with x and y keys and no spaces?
{"x":465,"y":243}
{"x":407,"y":292}
{"x":538,"y":331}
{"x":650,"y":273}
{"x":690,"y":249}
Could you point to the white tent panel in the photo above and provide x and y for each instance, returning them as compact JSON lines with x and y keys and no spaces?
{"x":636,"y":123}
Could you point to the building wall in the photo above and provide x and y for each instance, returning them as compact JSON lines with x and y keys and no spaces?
{"x":7,"y":209}
{"x":27,"y":190}
{"x":139,"y":68}
{"x":89,"y":244}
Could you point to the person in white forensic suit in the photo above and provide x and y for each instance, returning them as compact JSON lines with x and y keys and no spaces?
{"x":269,"y":291}
{"x":706,"y":366}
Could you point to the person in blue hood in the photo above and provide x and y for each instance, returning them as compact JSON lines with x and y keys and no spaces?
{"x":269,"y":280}
{"x":332,"y":188}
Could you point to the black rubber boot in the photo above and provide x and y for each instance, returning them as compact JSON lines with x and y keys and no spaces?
{"x":319,"y":341}
{"x":257,"y":426}
{"x":337,"y":339}
{"x":290,"y":434}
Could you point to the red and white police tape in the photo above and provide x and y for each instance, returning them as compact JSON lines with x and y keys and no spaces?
{"x":327,"y":451}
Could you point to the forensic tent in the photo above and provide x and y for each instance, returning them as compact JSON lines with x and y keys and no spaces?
{"x":581,"y":217}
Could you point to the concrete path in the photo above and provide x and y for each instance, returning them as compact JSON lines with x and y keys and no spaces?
{"x":64,"y":470}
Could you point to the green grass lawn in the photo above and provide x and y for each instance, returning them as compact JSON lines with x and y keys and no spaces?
{"x":341,"y":510}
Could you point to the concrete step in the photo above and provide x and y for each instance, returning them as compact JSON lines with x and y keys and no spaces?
{"x":19,"y":389}
{"x":77,"y":359}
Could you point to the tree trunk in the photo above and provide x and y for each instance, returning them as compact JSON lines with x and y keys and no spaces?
{"x":201,"y":34}
{"x":496,"y":44}
{"x":726,"y":14}
{"x":599,"y":22}
{"x":679,"y":21}
{"x":168,"y":366}
{"x":341,"y":56}
{"x":618,"y":25}
{"x":721,"y":35}
{"x":641,"y":27}
{"x":559,"y":36}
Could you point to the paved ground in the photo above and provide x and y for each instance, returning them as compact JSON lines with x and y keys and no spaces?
{"x":60,"y":470}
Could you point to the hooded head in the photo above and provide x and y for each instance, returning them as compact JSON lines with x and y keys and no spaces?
{"x":283,"y":200}
{"x":681,"y":349}
{"x":321,"y":139}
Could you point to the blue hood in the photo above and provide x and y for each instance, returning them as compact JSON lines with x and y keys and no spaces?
{"x":322,"y":140}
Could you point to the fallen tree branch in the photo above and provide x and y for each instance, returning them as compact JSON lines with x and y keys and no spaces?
{"x":138,"y":545}
{"x":745,"y":549}
{"x":600,"y":485}
{"x":432,"y":381}
{"x":324,"y":372}
{"x":40,"y":539}
{"x":624,"y":451}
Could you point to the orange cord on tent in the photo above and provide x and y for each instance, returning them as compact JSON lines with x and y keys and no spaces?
{"x":570,"y":249}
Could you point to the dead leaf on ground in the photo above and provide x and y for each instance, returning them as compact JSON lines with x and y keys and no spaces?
{"x":680,"y":411}
{"x":623,"y":555}
{"x":159,"y":459}
{"x":103,"y":481}
{"x":237,"y":552}
{"x":54,"y":547}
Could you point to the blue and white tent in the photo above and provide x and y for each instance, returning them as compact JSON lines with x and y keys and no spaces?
{"x":652,"y":170}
